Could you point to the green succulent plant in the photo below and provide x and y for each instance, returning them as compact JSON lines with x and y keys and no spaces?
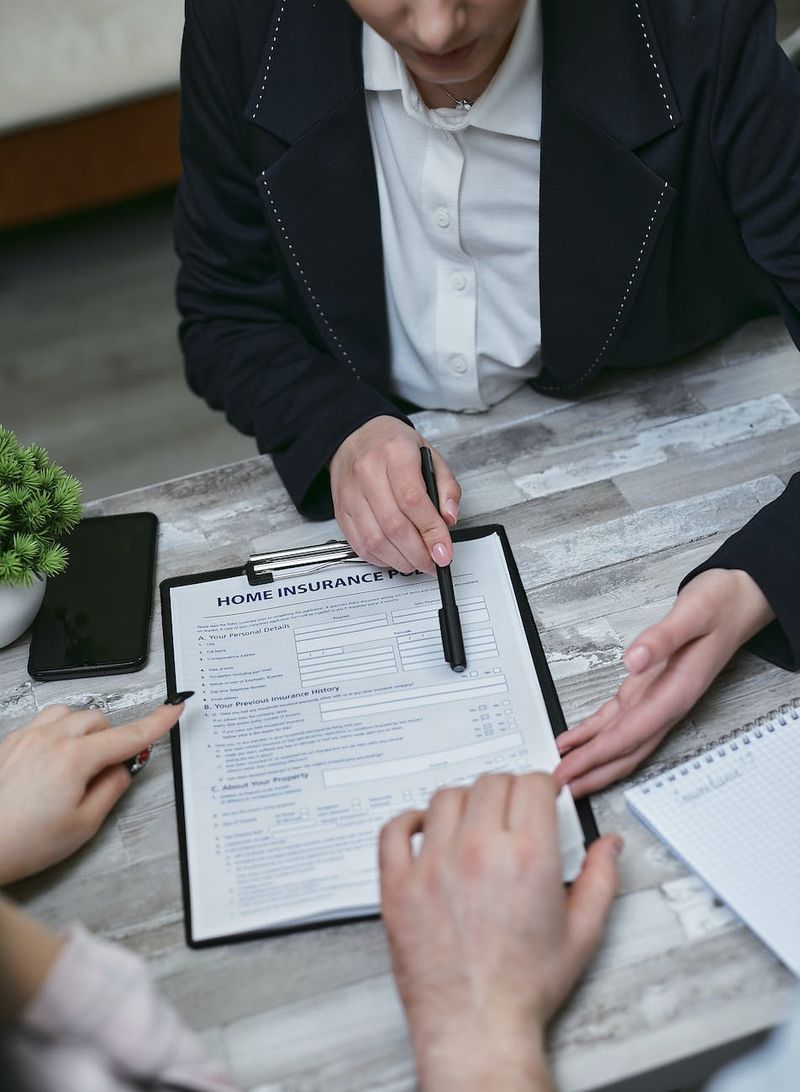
{"x":39,"y":503}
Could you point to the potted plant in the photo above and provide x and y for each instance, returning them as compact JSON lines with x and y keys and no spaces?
{"x":39,"y":504}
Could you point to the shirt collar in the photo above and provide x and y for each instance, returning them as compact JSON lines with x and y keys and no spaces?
{"x":511,"y":104}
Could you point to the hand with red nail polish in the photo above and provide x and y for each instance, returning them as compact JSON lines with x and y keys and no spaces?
{"x":670,"y":666}
{"x":380,"y":500}
{"x":60,"y":776}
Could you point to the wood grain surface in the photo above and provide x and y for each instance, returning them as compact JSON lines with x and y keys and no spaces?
{"x":608,"y":501}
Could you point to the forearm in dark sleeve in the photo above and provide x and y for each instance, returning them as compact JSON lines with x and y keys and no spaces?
{"x":755,"y":140}
{"x":243,"y":353}
{"x":768,"y":549}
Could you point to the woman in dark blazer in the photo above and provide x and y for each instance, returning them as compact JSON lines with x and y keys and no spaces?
{"x":670,"y":198}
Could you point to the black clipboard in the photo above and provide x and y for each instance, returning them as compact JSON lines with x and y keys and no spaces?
{"x":262,"y":568}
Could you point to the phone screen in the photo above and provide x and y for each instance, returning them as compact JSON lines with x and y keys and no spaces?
{"x":95,"y":617}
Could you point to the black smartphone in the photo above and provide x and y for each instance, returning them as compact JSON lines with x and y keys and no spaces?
{"x":95,"y":617}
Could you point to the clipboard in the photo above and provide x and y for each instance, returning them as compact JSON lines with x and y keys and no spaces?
{"x":264,"y":569}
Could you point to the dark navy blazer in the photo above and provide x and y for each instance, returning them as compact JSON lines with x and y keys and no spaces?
{"x":670,"y":214}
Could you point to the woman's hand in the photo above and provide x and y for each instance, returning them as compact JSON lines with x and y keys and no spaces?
{"x":60,"y":776}
{"x":671,"y":664}
{"x":380,"y":500}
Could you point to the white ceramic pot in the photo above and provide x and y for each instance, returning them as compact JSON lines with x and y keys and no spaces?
{"x":18,"y":608}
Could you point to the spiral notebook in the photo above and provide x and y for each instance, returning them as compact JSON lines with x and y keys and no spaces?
{"x":732,"y":815}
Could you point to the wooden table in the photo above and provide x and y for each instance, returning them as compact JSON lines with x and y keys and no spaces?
{"x":608,"y":501}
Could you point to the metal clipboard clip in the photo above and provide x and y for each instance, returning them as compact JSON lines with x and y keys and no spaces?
{"x":262,"y":568}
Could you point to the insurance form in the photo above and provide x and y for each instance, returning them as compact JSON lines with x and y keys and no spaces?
{"x":324,"y":707}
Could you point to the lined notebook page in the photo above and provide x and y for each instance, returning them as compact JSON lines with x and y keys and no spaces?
{"x":732,"y":814}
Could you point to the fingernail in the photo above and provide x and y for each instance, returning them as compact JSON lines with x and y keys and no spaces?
{"x":138,"y":762}
{"x":637,"y":658}
{"x":440,"y":554}
{"x":176,"y":699}
{"x":451,"y":510}
{"x":617,"y":845}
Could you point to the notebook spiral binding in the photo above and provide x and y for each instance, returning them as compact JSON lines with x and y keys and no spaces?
{"x":734,"y":741}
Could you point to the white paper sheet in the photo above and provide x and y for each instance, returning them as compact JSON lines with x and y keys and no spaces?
{"x":731,"y":815}
{"x":324,"y":707}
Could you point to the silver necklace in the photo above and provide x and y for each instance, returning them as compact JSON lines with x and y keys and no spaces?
{"x":460,"y":104}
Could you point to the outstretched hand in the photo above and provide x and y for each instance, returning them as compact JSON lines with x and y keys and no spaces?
{"x":671,"y":664}
{"x":60,"y":776}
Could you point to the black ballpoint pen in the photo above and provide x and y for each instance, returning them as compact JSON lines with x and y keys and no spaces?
{"x":449,"y":621}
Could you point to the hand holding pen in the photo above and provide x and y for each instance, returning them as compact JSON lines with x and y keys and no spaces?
{"x":449,"y":620}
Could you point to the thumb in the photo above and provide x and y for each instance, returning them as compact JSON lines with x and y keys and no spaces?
{"x":683,"y":624}
{"x":116,"y":744}
{"x":448,"y":487}
{"x":590,"y":899}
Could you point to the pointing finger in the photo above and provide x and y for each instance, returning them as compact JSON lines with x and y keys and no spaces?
{"x":118,"y":744}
